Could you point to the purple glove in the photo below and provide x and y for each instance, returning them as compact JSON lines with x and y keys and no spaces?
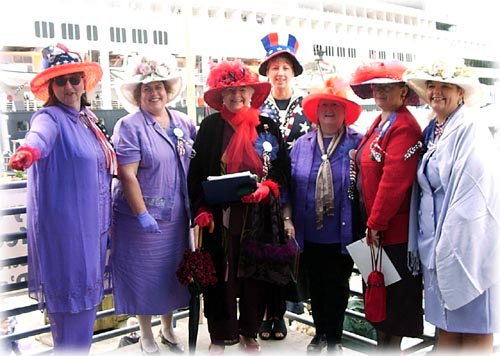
{"x":148,"y":223}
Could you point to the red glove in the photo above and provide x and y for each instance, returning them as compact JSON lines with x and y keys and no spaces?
{"x":205,"y":219}
{"x":259,"y":195}
{"x":24,"y":157}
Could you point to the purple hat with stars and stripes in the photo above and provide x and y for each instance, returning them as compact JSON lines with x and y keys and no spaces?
{"x":60,"y":61}
{"x":273,"y":49}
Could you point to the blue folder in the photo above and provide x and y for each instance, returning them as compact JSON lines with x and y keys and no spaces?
{"x":229,"y":188}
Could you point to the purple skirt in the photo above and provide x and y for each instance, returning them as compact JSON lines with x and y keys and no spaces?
{"x":143,"y":266}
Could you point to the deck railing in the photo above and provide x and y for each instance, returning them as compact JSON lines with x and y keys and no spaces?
{"x":19,"y":287}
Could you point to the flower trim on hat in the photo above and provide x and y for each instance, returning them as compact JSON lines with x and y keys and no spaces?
{"x":151,"y":68}
{"x":228,"y":74}
{"x":446,"y":70}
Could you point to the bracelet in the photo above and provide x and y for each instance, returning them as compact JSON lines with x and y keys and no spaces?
{"x":285,"y":218}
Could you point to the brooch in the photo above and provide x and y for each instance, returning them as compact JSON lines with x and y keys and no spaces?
{"x":179,"y":135}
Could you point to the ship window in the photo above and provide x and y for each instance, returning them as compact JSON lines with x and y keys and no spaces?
{"x":139,"y":36}
{"x":340,"y":52}
{"x":44,"y":29}
{"x":318,"y":50}
{"x":117,"y":34}
{"x":70,"y":31}
{"x":382,"y":55}
{"x":160,"y":37}
{"x":23,"y":126}
{"x":92,"y":34}
{"x":351,"y":52}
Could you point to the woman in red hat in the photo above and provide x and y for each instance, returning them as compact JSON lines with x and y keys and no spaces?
{"x":69,"y":200}
{"x":387,"y":160}
{"x":322,"y":209}
{"x":234,"y":139}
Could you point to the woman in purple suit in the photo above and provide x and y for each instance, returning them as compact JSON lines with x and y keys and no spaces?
{"x":69,"y":199}
{"x":150,"y":201}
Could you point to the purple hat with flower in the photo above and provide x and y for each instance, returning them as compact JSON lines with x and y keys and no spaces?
{"x":148,"y":71}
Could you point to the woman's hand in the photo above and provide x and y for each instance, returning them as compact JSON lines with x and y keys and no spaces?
{"x":24,"y":157}
{"x":289,"y":228}
{"x":205,"y":219}
{"x":148,"y":223}
{"x":375,"y":237}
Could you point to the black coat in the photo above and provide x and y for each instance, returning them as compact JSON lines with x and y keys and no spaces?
{"x":207,"y":162}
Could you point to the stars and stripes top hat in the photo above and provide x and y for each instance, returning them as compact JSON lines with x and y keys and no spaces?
{"x":274,"y":48}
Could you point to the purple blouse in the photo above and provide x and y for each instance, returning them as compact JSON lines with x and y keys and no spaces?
{"x":68,"y":212}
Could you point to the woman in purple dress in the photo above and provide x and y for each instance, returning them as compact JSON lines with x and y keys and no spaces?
{"x":68,"y":200}
{"x":150,"y":201}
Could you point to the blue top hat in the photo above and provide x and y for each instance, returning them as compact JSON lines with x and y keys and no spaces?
{"x":273,"y":49}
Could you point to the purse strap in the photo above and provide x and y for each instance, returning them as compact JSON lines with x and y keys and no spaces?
{"x":376,"y":256}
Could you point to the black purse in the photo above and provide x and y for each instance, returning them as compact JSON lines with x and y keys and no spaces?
{"x":266,"y":254}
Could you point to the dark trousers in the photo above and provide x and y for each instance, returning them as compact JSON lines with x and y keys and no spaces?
{"x":328,"y":271}
{"x":224,"y":325}
{"x":275,"y":301}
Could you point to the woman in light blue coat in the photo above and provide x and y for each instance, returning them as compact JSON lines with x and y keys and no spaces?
{"x":456,"y":211}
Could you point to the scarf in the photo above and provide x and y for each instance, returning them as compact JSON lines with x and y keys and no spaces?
{"x":240,"y":154}
{"x":324,"y":182}
{"x":92,"y":122}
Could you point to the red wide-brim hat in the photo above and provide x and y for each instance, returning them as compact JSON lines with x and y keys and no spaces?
{"x":334,"y":90}
{"x":380,"y":72}
{"x":232,"y":74}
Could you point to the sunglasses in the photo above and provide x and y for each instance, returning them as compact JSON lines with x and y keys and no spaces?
{"x":73,"y":80}
{"x":385,"y":88}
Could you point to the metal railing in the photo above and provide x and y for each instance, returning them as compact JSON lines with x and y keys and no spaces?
{"x":359,"y":342}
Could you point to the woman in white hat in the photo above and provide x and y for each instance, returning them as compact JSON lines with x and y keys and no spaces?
{"x":150,"y":201}
{"x":456,"y":211}
{"x":68,"y":200}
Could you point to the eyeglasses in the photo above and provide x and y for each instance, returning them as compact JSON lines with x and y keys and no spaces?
{"x":385,"y":88}
{"x":73,"y":80}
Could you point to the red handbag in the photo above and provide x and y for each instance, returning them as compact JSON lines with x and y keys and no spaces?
{"x":375,"y":293}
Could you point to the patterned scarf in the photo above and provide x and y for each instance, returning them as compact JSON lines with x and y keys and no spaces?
{"x":240,"y":154}
{"x":324,"y":181}
{"x":91,"y":121}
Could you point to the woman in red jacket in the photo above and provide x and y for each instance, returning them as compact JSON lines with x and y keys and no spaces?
{"x":387,"y":159}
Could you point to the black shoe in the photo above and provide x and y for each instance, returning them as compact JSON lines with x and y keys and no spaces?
{"x":317,"y":344}
{"x":335,"y":349}
{"x":176,"y":348}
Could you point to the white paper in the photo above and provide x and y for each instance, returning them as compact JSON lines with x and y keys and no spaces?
{"x":360,"y":253}
{"x":232,"y":175}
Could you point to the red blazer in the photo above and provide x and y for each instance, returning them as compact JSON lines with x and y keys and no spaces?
{"x":386,"y":185}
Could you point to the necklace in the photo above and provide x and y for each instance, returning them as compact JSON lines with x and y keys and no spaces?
{"x":439,"y":128}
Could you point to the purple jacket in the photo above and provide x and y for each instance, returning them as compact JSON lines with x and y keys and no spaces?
{"x":302,"y":157}
{"x":68,"y":212}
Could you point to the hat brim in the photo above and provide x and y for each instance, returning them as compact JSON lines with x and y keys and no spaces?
{"x":297,"y":67}
{"x":474,"y":93}
{"x":40,"y":83}
{"x":310,"y":107}
{"x":213,"y":97}
{"x":127,"y":88}
{"x":364,"y":90}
